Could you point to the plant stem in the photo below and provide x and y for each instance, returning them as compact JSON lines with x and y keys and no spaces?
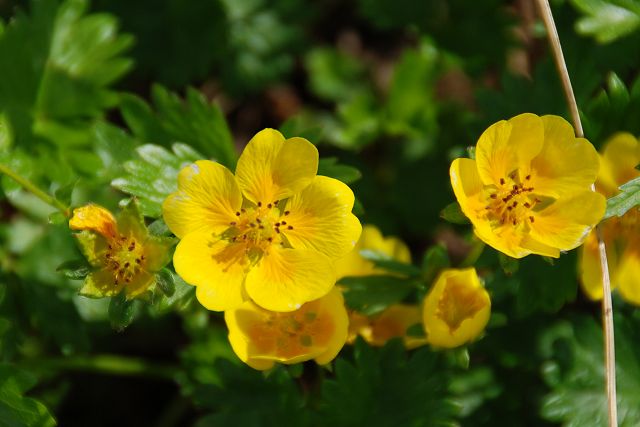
{"x":105,"y":364}
{"x":607,"y":307}
{"x":30,"y":187}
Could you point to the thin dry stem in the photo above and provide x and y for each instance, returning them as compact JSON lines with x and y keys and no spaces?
{"x":607,"y":307}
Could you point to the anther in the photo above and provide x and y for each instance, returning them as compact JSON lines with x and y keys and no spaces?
{"x":243,"y":210}
{"x":514,"y":222}
{"x":132,"y":246}
{"x":290,"y":227}
{"x":237,"y":213}
{"x":494,"y":196}
{"x":127,"y":264}
{"x":509,"y":208}
{"x":277,"y":224}
{"x":528,"y":177}
{"x":261,"y":226}
{"x":270,"y":239}
{"x":232,"y":223}
{"x":278,"y":230}
{"x":258,"y":220}
{"x":501,"y":181}
{"x":287,"y":212}
{"x":251,"y":225}
{"x":269,"y":206}
{"x":283,"y":222}
{"x":527,"y":205}
{"x":259,"y":204}
{"x":515,"y":204}
{"x":532,"y":219}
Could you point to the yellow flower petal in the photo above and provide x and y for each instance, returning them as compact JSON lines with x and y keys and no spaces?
{"x":457,"y":308}
{"x":566,"y":222}
{"x":207,"y":199}
{"x":215,"y":267}
{"x":284,"y":279}
{"x":139,"y":284}
{"x":333,"y":308}
{"x":272,"y":168}
{"x":467,"y":187}
{"x":565,"y":164}
{"x":620,"y":156}
{"x":507,"y":146}
{"x":320,"y":218}
{"x":393,"y":323}
{"x":589,"y":266}
{"x":100,"y":284}
{"x":628,"y":277}
{"x":371,"y":239}
{"x":318,"y":329}
{"x":94,"y":218}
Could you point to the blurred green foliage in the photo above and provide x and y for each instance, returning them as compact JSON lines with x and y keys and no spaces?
{"x":106,"y":100}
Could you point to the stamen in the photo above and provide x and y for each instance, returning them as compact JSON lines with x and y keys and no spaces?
{"x":290,"y":227}
{"x":287,"y":212}
{"x":502,"y":181}
{"x":494,"y":196}
{"x":259,"y":204}
{"x":532,"y":219}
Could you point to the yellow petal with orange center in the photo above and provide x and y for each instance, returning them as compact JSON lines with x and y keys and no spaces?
{"x":566,"y":222}
{"x":284,"y":279}
{"x":507,"y":146}
{"x":215,"y":267}
{"x":371,"y":239}
{"x":318,"y":329}
{"x":393,"y":323}
{"x":320,"y":218}
{"x":271,"y":168}
{"x":94,"y":218}
{"x":207,"y":199}
{"x":565,"y":164}
{"x":457,"y":308}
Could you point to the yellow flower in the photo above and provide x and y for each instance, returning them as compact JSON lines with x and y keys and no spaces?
{"x":317,"y":330}
{"x":528,"y":191}
{"x":270,"y":233}
{"x":122,"y":253}
{"x":391,"y":323}
{"x":457,"y":308}
{"x":354,"y":264}
{"x":621,"y":234}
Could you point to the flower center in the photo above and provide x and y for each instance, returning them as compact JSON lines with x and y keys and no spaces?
{"x":258,"y":227}
{"x":124,"y":257}
{"x":291,"y":333}
{"x":458,"y":303}
{"x":512,"y":202}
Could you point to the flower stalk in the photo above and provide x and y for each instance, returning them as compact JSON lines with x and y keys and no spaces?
{"x":607,"y":307}
{"x":33,"y":189}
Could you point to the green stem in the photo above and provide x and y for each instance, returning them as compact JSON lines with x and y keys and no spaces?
{"x":607,"y":306}
{"x":30,"y":187}
{"x":105,"y":364}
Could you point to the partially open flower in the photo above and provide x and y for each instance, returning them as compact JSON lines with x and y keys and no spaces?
{"x":122,"y":252}
{"x":528,"y":191}
{"x":394,"y":322}
{"x":457,"y":308}
{"x":317,"y":330}
{"x":372,"y":240}
{"x":621,"y":234}
{"x":270,"y":233}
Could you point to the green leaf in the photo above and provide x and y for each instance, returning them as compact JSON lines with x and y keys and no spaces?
{"x":17,"y":410}
{"x":628,"y":198}
{"x":244,"y":397}
{"x":74,"y":269}
{"x":385,"y":262}
{"x":607,"y":20}
{"x":329,"y":166}
{"x":453,"y":214}
{"x":165,"y":281}
{"x":56,"y":67}
{"x":509,"y":265}
{"x":574,"y":372}
{"x":121,"y":311}
{"x":372,"y":294}
{"x":435,"y":259}
{"x":182,"y":296}
{"x":154,"y":175}
{"x":192,"y":121}
{"x":387,"y":387}
{"x":334,"y":75}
